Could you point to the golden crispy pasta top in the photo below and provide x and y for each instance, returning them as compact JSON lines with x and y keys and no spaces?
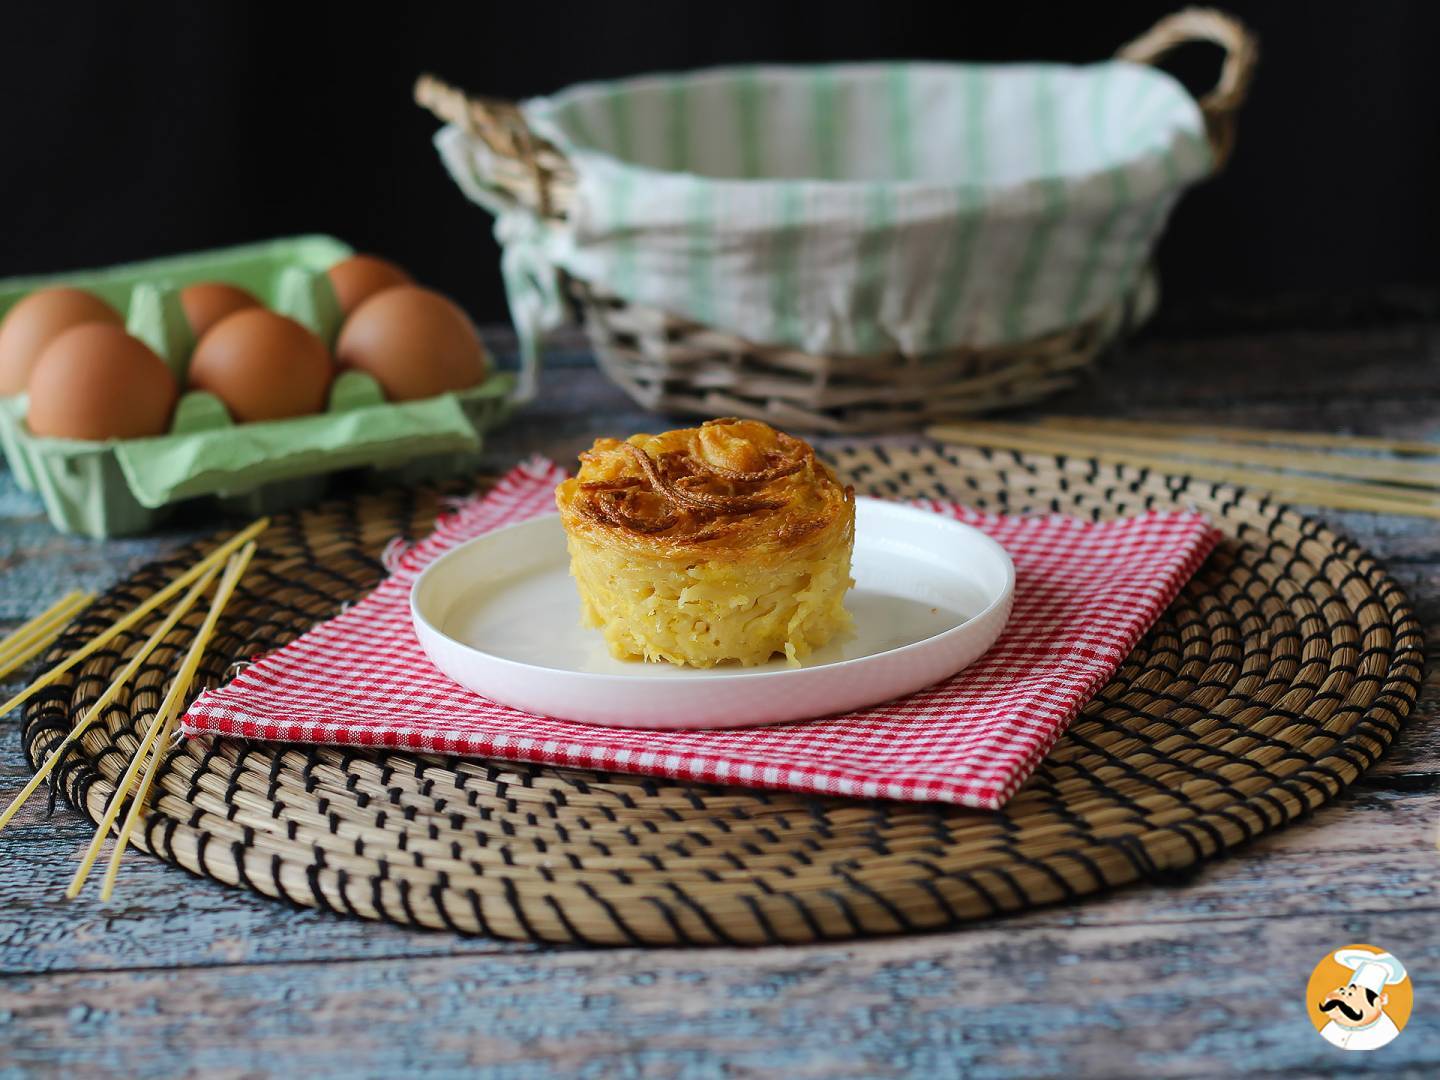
{"x":727,"y":485}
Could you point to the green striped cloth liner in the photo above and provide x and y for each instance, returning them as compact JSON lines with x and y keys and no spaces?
{"x":857,"y":208}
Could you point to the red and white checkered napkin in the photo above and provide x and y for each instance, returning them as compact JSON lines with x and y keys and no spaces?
{"x":1085,"y":592}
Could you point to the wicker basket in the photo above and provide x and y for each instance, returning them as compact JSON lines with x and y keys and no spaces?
{"x":676,"y":365}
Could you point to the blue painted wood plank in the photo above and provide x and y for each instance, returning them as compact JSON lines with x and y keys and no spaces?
{"x":996,"y":1002}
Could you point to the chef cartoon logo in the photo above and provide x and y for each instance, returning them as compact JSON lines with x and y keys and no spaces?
{"x":1359,"y":997}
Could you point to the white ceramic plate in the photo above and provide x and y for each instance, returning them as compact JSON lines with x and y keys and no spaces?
{"x":500,"y":615}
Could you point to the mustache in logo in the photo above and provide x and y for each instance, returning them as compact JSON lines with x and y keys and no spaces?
{"x":1345,"y":1010}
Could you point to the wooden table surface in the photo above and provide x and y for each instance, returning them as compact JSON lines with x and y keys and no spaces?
{"x":1205,"y":977}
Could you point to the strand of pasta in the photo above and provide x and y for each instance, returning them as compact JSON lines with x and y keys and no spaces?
{"x":1310,"y":490}
{"x":34,"y":637}
{"x":1326,"y":463}
{"x":1264,"y":436}
{"x":151,"y":748}
{"x":215,"y":558}
{"x":110,"y":693}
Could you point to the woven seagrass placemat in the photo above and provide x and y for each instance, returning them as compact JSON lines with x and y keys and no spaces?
{"x":1278,"y":676}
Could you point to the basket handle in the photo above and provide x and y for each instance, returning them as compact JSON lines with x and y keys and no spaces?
{"x":1242,"y":51}
{"x":530,"y":168}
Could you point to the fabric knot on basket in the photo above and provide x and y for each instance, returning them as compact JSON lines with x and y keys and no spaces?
{"x":847,"y":247}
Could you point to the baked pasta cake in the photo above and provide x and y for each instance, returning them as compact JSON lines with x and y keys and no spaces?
{"x":729,"y":542}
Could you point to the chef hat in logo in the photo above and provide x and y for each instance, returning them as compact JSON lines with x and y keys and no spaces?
{"x":1373,"y":971}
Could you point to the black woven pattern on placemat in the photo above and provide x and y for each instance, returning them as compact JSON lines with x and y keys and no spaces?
{"x":1277,"y":676}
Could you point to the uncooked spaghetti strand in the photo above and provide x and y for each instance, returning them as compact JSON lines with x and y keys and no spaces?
{"x":215,"y":558}
{"x":31,"y":639}
{"x":160,"y":732}
{"x":102,"y":702}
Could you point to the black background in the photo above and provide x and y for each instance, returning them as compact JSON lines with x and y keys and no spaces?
{"x":140,"y":130}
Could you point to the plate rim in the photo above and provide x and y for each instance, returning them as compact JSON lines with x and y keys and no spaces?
{"x":1004,"y":597}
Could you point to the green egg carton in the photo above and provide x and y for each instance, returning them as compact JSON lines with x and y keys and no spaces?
{"x":128,"y":486}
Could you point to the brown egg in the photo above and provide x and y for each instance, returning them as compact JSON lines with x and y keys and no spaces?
{"x":207,"y":302}
{"x":416,"y":343}
{"x":360,"y":277}
{"x":36,"y":321}
{"x":95,"y":381}
{"x":263,"y":366}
